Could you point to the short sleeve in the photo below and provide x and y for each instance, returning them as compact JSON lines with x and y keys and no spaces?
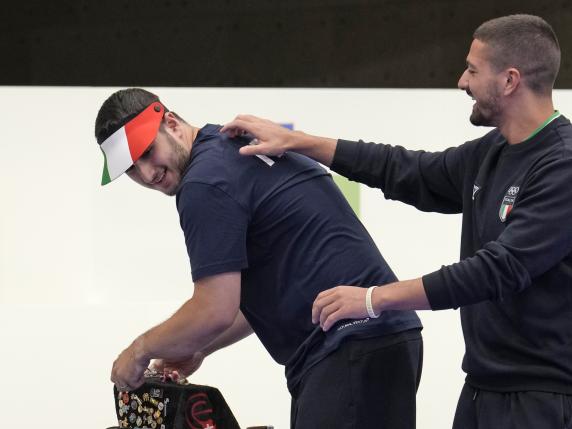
{"x":215,"y":228}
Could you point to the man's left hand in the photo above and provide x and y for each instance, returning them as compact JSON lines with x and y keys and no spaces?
{"x":341,"y":302}
{"x":129,"y":368}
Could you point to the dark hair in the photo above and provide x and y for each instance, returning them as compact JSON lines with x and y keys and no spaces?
{"x":120,"y":108}
{"x":527,"y":43}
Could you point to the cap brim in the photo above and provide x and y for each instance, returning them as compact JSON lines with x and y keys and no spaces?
{"x":126,"y":145}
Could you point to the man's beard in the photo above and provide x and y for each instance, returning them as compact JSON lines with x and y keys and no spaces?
{"x":487,"y":111}
{"x":181,"y":158}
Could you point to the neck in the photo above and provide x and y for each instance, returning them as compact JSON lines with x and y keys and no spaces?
{"x":525,"y":117}
{"x":190,"y":134}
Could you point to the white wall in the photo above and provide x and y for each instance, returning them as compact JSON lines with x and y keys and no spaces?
{"x":84,"y":269}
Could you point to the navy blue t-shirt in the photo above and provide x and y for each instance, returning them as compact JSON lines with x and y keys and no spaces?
{"x":292,"y":234}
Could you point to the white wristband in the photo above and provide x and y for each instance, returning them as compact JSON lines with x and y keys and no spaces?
{"x":368,"y":305}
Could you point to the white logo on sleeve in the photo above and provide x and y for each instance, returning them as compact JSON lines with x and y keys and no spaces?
{"x":475,"y":190}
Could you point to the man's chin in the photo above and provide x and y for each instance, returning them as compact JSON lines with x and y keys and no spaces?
{"x":478,"y":119}
{"x":172,"y":191}
{"x":475,"y":120}
{"x":482,"y":122}
{"x":169,"y":189}
{"x":171,"y":183}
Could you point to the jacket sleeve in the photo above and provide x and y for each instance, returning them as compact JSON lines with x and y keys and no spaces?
{"x":430,"y":181}
{"x":537,"y":237}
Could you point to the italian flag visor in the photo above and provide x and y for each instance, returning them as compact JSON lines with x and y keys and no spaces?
{"x":124,"y":147}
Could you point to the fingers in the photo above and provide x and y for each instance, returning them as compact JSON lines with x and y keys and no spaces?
{"x":180,"y":368}
{"x":331,"y":319}
{"x":165,"y":368}
{"x":125,"y":374}
{"x":175,"y":376}
{"x":260,"y":149}
{"x":125,"y":386}
{"x":270,"y":139}
{"x":326,"y":309}
{"x":316,"y":309}
{"x":121,"y":384}
{"x":322,"y":300}
{"x":328,"y":316}
{"x":341,"y":302}
{"x":157,"y":365}
{"x":239,"y":124}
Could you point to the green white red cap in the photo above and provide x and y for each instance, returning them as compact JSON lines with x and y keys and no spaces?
{"x":126,"y":145}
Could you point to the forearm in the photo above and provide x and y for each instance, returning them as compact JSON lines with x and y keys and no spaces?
{"x":189,"y":330}
{"x":239,"y":330}
{"x":403,"y":295}
{"x":321,"y":149}
{"x":351,"y":302}
{"x":211,"y":311}
{"x":428,"y":181}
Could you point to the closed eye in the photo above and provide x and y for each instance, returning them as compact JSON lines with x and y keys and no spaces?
{"x":147,"y":152}
{"x":144,"y":155}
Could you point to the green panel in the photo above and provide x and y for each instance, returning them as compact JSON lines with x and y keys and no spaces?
{"x":350,"y":191}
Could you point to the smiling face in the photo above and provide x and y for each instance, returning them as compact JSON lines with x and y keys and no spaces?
{"x":162,"y":165}
{"x":482,"y":83}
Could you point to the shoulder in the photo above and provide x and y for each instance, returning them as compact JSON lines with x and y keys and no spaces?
{"x":562,"y":136}
{"x":552,"y":156}
{"x":210,"y":144}
{"x":209,"y":197}
{"x":491,"y":139}
{"x":475,"y":151}
{"x":213,"y":157}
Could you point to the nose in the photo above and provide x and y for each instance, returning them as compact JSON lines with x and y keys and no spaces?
{"x":462,"y":83}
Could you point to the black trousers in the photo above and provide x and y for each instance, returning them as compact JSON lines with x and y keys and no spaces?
{"x":364,"y":384}
{"x":482,"y":409}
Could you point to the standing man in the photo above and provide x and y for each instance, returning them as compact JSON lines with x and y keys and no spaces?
{"x":264,"y":237}
{"x":514,"y":188}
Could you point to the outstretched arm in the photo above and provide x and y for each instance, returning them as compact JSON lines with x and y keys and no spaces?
{"x":429,"y":181}
{"x":349,"y":302}
{"x":534,"y":241}
{"x":273,"y":140}
{"x":211,"y":311}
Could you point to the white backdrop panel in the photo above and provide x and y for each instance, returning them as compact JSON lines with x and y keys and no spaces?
{"x":83,"y":270}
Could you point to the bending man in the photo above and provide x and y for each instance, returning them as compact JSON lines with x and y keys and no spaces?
{"x":264,"y":237}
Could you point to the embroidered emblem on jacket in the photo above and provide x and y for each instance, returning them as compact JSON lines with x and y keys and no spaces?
{"x":508,"y":202}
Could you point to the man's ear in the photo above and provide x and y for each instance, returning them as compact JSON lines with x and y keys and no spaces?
{"x":512,"y":81}
{"x":171,"y":123}
{"x":170,"y":120}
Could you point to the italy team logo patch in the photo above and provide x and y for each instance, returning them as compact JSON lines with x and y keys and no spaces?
{"x":508,"y":202}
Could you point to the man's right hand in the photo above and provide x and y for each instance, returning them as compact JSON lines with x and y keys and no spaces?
{"x":179,"y":369}
{"x":270,"y":139}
